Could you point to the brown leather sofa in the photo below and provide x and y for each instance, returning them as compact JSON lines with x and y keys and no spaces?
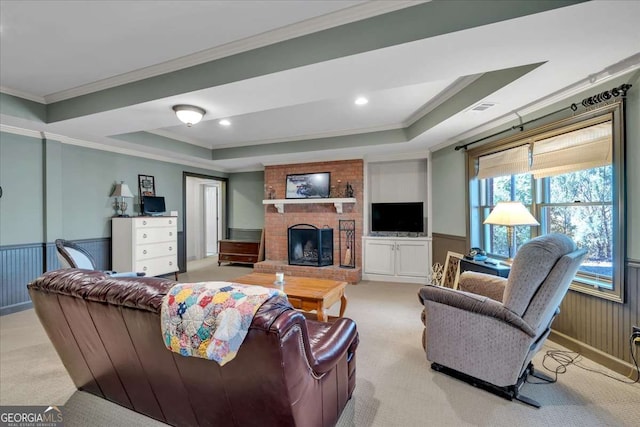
{"x":289,"y":371}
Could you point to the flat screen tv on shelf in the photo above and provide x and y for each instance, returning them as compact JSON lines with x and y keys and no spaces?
{"x":153,"y":205}
{"x":397,"y":217}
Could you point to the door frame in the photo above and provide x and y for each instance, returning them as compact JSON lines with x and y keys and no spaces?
{"x":182,"y":254}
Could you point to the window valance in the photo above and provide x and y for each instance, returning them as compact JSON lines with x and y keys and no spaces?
{"x":508,"y":162}
{"x":580,"y":149}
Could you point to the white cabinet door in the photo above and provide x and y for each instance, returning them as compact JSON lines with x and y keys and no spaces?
{"x":379,"y":257}
{"x":412,"y":258}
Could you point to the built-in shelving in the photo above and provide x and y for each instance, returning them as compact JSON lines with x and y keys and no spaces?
{"x":337,"y":202}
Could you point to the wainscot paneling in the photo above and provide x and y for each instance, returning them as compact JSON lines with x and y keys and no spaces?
{"x":20,"y":264}
{"x":600,"y":328}
{"x":443,"y":243}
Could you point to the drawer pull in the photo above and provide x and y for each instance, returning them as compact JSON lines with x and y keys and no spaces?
{"x":144,"y":268}
{"x":144,"y":222}
{"x":171,"y":233}
{"x":170,"y":262}
{"x":144,"y":252}
{"x":144,"y":236}
{"x":170,"y":248}
{"x":170,"y":222}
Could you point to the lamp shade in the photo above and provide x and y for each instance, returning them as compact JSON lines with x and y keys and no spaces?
{"x":189,"y":114}
{"x":510,"y":214}
{"x":121,"y":190}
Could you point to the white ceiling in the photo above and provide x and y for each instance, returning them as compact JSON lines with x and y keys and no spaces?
{"x":53,"y":51}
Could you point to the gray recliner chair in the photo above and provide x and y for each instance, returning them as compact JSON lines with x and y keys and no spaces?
{"x":71,"y":255}
{"x":487,"y":331}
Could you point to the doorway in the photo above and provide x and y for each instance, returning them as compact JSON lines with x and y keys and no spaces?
{"x":204,"y":218}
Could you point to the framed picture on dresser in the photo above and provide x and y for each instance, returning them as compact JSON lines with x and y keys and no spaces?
{"x":146,"y":185}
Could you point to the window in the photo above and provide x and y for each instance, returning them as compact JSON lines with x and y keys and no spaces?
{"x":572,"y":182}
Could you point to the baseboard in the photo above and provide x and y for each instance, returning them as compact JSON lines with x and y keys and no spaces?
{"x":15,"y":308}
{"x":394,"y":279}
{"x":598,"y":356}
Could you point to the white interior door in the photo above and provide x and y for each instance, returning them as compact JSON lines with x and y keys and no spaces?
{"x":211,"y":219}
{"x":204,"y":219}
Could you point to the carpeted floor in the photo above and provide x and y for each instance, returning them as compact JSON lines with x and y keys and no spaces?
{"x":395,"y":385}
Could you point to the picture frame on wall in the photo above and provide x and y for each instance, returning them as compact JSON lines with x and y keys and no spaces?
{"x":146,"y":185}
{"x":308,"y":185}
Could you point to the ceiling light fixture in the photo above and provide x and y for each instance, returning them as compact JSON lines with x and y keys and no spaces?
{"x":189,"y":114}
{"x":361,"y":100}
{"x":225,"y":122}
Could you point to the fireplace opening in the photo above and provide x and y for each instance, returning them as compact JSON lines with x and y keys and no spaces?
{"x":310,"y":245}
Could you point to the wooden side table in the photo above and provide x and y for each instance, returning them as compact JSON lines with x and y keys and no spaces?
{"x":484,"y":267}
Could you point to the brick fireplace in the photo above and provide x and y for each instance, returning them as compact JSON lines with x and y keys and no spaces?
{"x":317,"y":214}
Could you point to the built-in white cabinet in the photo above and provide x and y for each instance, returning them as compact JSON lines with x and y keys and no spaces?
{"x":400,"y":259}
{"x":145,"y":244}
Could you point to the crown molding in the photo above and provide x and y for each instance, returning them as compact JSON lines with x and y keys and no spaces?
{"x":21,"y":94}
{"x":345,"y":16}
{"x":158,"y":155}
{"x":21,"y":131}
{"x":455,"y":87}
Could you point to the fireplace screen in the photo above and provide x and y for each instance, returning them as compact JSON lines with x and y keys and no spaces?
{"x":310,"y":245}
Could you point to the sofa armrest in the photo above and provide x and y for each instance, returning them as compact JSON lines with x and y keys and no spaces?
{"x":478,"y":304}
{"x":482,"y":284}
{"x":328,"y":347}
{"x":324,"y":343}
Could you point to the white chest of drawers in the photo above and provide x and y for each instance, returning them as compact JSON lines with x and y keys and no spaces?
{"x":145,"y":244}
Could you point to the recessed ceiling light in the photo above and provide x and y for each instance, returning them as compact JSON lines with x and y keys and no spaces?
{"x":361,"y":100}
{"x":225,"y":122}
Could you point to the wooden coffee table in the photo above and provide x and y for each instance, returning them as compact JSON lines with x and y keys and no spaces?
{"x":304,"y":293}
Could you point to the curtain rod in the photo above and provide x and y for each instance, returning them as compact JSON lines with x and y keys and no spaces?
{"x":587,"y":102}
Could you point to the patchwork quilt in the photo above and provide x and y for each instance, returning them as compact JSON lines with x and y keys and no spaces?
{"x":210,"y":319}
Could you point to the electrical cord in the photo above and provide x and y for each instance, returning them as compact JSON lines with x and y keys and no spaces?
{"x":565,"y":358}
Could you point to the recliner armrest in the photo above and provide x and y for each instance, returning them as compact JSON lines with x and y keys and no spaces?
{"x":483,"y":284}
{"x":474,"y":303}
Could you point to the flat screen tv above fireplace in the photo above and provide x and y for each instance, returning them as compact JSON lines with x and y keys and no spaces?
{"x":397,"y":217}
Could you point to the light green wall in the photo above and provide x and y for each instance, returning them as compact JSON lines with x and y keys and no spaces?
{"x":246,"y":192}
{"x":21,"y":178}
{"x":448,"y":167}
{"x":73,"y":201}
{"x":448,"y":184}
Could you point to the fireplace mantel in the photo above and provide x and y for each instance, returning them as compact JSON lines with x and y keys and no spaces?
{"x":337,"y":202}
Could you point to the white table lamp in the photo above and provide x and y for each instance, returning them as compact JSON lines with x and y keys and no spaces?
{"x":121,"y":190}
{"x":510,"y":214}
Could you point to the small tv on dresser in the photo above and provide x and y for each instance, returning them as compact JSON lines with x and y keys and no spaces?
{"x":153,"y":205}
